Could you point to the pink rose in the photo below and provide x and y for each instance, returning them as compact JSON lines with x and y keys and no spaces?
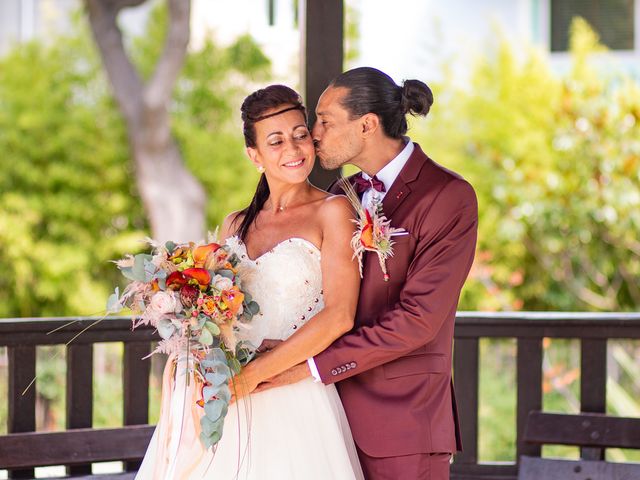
{"x":222,"y":283}
{"x":163,"y":302}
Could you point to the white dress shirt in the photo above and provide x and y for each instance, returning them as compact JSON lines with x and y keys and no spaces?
{"x":386,"y":175}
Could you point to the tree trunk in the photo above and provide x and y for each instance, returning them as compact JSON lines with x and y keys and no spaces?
{"x":173,"y":198}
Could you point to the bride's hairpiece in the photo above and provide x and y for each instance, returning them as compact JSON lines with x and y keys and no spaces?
{"x":269,"y":115}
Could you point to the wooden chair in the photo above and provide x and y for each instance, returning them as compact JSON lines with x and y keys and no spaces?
{"x":592,"y":433}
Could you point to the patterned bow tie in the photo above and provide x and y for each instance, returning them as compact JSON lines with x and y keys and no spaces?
{"x":361,"y":185}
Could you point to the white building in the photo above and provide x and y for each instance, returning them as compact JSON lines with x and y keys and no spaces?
{"x":22,"y":20}
{"x":406,"y":38}
{"x":272,"y":23}
{"x":415,"y":37}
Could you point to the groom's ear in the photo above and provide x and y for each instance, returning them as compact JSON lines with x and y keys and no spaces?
{"x":370,"y":124}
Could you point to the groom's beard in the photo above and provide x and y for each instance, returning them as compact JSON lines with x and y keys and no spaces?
{"x":330,"y":163}
{"x":337,"y":157}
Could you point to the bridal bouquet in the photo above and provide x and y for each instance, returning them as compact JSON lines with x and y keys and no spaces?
{"x":192,"y":294}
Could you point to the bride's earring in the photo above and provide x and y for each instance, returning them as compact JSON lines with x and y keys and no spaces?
{"x":261,"y":169}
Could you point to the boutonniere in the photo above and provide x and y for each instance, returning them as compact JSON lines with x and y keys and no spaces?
{"x":373,"y":230}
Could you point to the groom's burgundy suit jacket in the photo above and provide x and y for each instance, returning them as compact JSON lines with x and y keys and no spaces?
{"x":393,"y":370}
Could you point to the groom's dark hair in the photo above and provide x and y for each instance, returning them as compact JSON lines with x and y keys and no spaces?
{"x":253,"y":110}
{"x":373,"y":91}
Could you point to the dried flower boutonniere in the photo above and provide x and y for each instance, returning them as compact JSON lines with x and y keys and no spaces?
{"x":373,"y":230}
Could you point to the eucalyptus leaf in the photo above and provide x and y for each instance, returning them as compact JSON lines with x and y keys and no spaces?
{"x":127,"y":272}
{"x":207,"y":440}
{"x":165,"y":328}
{"x":220,"y":374}
{"x":224,"y":394}
{"x":214,"y":409}
{"x":213,"y":328}
{"x":113,"y":302}
{"x":235,"y":365}
{"x":207,"y":363}
{"x":223,"y":369}
{"x":218,"y":355}
{"x":226,"y":273}
{"x":244,"y":353}
{"x":205,"y":337}
{"x":170,"y":246}
{"x":207,"y":426}
{"x":149,"y":270}
{"x":217,"y":378}
{"x":209,"y":392}
{"x":138,"y":271}
{"x":254,"y":308}
{"x":216,"y":436}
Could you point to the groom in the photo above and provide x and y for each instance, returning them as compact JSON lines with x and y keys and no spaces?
{"x":393,"y":370}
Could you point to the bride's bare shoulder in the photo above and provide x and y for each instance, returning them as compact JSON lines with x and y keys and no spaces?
{"x":230,"y":225}
{"x":335,"y":208}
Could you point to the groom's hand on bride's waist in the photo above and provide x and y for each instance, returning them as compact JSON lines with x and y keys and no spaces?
{"x":293,"y":375}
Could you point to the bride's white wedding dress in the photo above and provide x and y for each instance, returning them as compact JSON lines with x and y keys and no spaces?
{"x":299,"y":431}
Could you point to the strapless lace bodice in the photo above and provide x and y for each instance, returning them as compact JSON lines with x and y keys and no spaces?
{"x":287,"y":284}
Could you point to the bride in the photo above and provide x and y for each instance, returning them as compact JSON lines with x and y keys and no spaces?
{"x":295,"y":261}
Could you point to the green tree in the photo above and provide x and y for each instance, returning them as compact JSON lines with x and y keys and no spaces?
{"x":555,"y":161}
{"x":68,"y":200}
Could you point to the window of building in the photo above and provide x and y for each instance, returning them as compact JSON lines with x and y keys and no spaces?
{"x":271,"y":12}
{"x":612,"y":19}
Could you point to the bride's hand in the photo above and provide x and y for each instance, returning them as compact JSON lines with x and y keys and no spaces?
{"x":249,"y":378}
{"x":244,"y":383}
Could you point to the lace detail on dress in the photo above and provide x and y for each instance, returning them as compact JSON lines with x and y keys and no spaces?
{"x":286,"y":282}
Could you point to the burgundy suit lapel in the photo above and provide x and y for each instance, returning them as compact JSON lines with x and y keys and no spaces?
{"x":400,"y":189}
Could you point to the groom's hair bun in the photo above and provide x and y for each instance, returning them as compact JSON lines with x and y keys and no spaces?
{"x":373,"y":91}
{"x":416,"y":97}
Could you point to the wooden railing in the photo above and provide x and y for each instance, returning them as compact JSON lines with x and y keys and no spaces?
{"x":79,"y":445}
{"x":22,"y":449}
{"x":529,"y":330}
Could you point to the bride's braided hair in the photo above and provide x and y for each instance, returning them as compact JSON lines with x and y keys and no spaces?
{"x":253,"y":110}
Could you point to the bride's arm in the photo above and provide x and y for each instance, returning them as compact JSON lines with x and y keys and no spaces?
{"x":341,"y":284}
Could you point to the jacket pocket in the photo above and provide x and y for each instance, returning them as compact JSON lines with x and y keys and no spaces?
{"x":403,"y":251}
{"x":419,"y":364}
{"x":398,"y":265}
